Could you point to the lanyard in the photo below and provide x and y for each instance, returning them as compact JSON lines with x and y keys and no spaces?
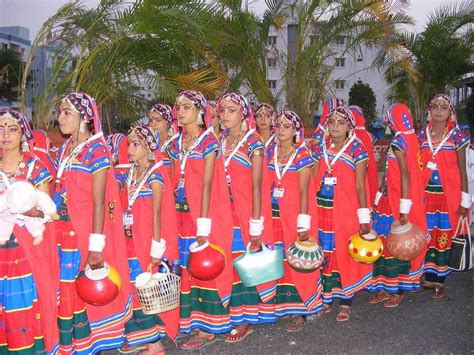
{"x":237,"y":147}
{"x":167,"y":143}
{"x":184,"y":158}
{"x":140,"y":186}
{"x":270,"y":139}
{"x":279,"y":173}
{"x":440,"y":145}
{"x":65,"y":161}
{"x":330,"y":165}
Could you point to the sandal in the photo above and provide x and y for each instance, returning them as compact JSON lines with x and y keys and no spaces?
{"x":431,"y":284}
{"x":154,"y":349}
{"x":439,"y":293}
{"x":238,"y":333}
{"x":327,"y":308}
{"x":296,"y":324}
{"x":199,"y":341}
{"x":379,"y":297}
{"x":393,"y":301}
{"x":344,"y":314}
{"x":126,"y":349}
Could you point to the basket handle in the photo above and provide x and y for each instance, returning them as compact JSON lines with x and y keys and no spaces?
{"x":462,"y":224}
{"x":264,"y":248}
{"x":150,"y":267}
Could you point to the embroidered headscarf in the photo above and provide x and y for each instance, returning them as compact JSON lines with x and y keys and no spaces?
{"x":359,"y":118}
{"x":453,"y":117}
{"x":146,"y":134}
{"x":342,"y":109}
{"x":198,"y":100}
{"x":87,"y":108}
{"x":117,"y":144}
{"x":167,"y":113}
{"x":400,"y":119}
{"x":22,"y":121}
{"x":328,"y":106}
{"x":243,"y":103}
{"x":295,"y":121}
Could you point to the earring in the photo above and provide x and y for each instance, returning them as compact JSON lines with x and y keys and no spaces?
{"x":429,"y":117}
{"x":388,"y":131}
{"x":151,"y":156}
{"x":243,"y":126}
{"x":200,"y":122}
{"x":25,"y":147}
{"x":296,"y":137}
{"x":170,"y":132}
{"x":82,"y":126}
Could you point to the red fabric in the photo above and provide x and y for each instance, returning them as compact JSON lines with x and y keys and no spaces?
{"x":289,"y":207}
{"x":80,"y":208}
{"x":366,"y":139}
{"x":345,"y":208}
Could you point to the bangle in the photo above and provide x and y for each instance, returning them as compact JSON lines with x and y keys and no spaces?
{"x":157,"y":248}
{"x":256,"y":226}
{"x":405,"y":205}
{"x":96,"y":242}
{"x":203,"y":227}
{"x":303,"y":222}
{"x":466,"y":200}
{"x":378,"y":196}
{"x":363,"y":214}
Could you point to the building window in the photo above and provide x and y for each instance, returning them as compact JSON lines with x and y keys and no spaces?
{"x":271,"y":62}
{"x":272,"y":40}
{"x":149,"y":95}
{"x":340,"y":40}
{"x":340,"y":84}
{"x":272,"y":84}
{"x":340,"y":62}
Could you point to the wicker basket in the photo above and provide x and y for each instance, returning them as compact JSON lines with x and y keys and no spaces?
{"x":158,"y":293}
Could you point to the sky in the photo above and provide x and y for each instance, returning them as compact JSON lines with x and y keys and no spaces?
{"x":32,"y":13}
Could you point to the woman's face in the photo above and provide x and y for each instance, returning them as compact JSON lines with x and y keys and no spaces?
{"x":284,"y":129}
{"x":68,"y":118}
{"x":186,"y":111}
{"x":230,"y":114}
{"x":263,"y":119}
{"x":338,"y":126}
{"x":137,"y":148}
{"x":439,"y":110}
{"x":157,"y":122}
{"x":10,"y":134}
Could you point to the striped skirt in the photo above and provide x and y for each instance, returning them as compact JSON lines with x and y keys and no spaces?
{"x":439,"y":227}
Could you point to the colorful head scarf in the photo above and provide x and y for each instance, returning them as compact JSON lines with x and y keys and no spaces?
{"x":453,"y":118}
{"x":295,"y":121}
{"x":269,"y":108}
{"x":117,"y":144}
{"x":243,"y":103}
{"x":22,"y":121}
{"x":342,"y":109}
{"x":400,"y":119}
{"x":198,"y":100}
{"x":358,"y":114}
{"x":328,"y":107}
{"x":167,"y":113}
{"x":87,"y":108}
{"x":146,"y":134}
{"x":212,"y":103}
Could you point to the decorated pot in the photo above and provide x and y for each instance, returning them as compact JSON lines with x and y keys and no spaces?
{"x":206,"y":261}
{"x":100,"y":286}
{"x":305,"y":256}
{"x":405,"y":242}
{"x":365,"y":250}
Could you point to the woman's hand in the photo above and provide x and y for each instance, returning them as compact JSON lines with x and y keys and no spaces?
{"x":95,"y":260}
{"x":201,"y":240}
{"x":462,"y":211}
{"x":256,"y":240}
{"x":154,"y":262}
{"x":34,"y":212}
{"x":364,"y":228}
{"x":403,"y":219}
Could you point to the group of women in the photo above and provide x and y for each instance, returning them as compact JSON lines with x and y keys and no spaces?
{"x":227,"y":173}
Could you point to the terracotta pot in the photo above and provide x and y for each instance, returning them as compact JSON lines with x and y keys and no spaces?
{"x":305,"y":256}
{"x":206,"y":262}
{"x":405,"y":242}
{"x":364,"y":250}
{"x":98,"y":287}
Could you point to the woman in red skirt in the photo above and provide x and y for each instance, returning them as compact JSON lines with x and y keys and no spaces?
{"x":90,"y":230}
{"x":28,"y":273}
{"x":443,"y":150}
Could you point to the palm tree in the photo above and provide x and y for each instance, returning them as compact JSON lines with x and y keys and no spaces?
{"x":417,"y":66}
{"x":318,"y":24}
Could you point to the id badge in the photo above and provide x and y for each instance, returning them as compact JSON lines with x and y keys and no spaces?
{"x":278,"y":192}
{"x":432,"y":165}
{"x":331,"y":181}
{"x":127,"y":219}
{"x":181,"y":183}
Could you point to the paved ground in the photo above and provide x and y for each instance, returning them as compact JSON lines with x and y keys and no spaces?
{"x":419,"y":325}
